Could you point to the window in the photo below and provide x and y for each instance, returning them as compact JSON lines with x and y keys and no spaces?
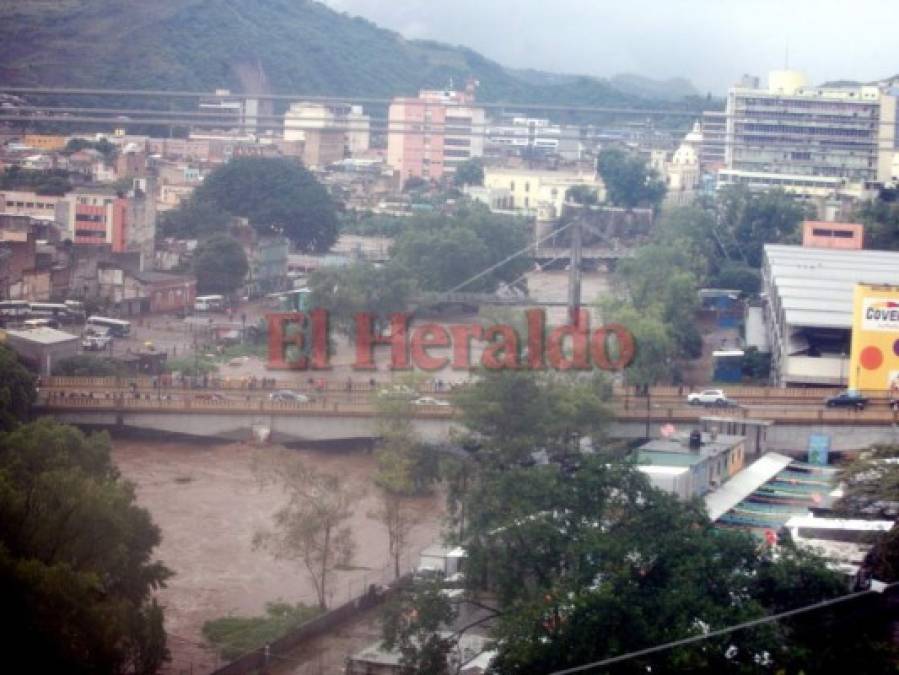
{"x":92,"y":234}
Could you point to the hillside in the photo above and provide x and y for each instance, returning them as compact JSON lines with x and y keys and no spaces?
{"x":280,"y":46}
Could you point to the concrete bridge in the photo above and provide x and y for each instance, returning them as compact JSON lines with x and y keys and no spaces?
{"x":331,"y":419}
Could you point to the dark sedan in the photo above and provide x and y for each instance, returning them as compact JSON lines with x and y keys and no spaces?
{"x":847,"y":399}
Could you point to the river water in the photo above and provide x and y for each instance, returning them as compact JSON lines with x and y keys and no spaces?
{"x":208,"y":505}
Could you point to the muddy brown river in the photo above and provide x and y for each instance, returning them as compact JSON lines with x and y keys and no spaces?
{"x":208,"y":504}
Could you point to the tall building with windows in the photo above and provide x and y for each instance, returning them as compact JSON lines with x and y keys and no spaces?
{"x":714,"y":133}
{"x":429,"y":136}
{"x":818,"y":142}
{"x":311,"y":121}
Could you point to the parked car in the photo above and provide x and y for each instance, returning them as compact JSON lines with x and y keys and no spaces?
{"x":847,"y":399}
{"x":708,"y":397}
{"x":95,"y":343}
{"x":288,"y":396}
{"x":430,"y":400}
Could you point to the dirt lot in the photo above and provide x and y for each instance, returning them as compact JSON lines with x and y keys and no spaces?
{"x":208,"y":505}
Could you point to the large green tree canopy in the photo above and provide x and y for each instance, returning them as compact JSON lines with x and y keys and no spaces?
{"x":276,"y":195}
{"x":76,"y":565}
{"x":220,"y":265}
{"x":442,"y":252}
{"x":583,"y":560}
{"x":17,"y":392}
{"x":629,"y":181}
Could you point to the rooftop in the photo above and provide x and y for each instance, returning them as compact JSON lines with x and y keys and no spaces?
{"x":44,"y":336}
{"x":677,"y":445}
{"x":747,"y":481}
{"x":815,"y":285}
{"x":656,"y":458}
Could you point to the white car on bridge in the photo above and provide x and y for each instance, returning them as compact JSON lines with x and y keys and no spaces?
{"x":708,"y":397}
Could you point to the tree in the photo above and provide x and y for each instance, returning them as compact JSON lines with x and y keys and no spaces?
{"x":881,"y":220}
{"x":872,"y":488}
{"x":581,"y":194}
{"x":76,"y":568}
{"x":660,"y":287}
{"x":629,"y":181}
{"x":738,"y":276}
{"x":405,"y":468}
{"x":276,"y":195}
{"x":441,"y":253}
{"x":514,"y":413}
{"x":655,"y":346}
{"x":753,"y":219}
{"x":441,"y":259}
{"x":469,"y":172}
{"x":414,"y":184}
{"x":194,"y":219}
{"x":311,"y":528}
{"x":220,"y":265}
{"x":17,"y":391}
{"x":360,"y":287}
{"x":55,"y":182}
{"x":693,"y":231}
{"x":399,"y":517}
{"x":413,"y":623}
{"x":594,"y":563}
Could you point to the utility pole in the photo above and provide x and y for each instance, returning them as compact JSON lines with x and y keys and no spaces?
{"x":574,"y":272}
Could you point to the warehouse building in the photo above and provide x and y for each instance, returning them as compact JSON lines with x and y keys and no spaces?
{"x":42,"y":348}
{"x":808,"y":301}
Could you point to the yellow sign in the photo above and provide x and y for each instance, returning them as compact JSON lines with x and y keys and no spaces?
{"x":874,"y":363}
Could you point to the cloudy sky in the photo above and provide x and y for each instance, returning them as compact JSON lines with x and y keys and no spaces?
{"x":710,"y":42}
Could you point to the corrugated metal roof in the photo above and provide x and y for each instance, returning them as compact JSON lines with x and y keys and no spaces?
{"x":744,"y":484}
{"x":815,"y":286}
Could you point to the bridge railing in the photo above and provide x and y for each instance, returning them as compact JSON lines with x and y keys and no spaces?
{"x":127,"y":402}
{"x":736,"y":392}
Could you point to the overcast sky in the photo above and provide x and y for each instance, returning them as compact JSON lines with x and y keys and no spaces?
{"x":709,"y":42}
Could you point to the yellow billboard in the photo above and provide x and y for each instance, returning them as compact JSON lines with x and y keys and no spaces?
{"x":874,"y":363}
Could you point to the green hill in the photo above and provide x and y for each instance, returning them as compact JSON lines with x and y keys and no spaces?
{"x":276,"y":46}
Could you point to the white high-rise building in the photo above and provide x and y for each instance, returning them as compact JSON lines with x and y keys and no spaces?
{"x":818,"y":142}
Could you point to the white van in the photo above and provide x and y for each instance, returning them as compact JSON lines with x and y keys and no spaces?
{"x":209,"y":303}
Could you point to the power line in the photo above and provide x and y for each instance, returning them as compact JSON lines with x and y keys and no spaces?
{"x":809,"y":143}
{"x":716,"y":633}
{"x":64,"y":91}
{"x":237,"y":116}
{"x":508,"y":258}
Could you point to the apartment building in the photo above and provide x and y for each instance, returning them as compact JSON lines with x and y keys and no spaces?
{"x":817,"y":142}
{"x":429,"y":136}
{"x":532,"y":192}
{"x":349,"y":122}
{"x":714,"y":135}
{"x":533,"y":137}
{"x":92,"y":216}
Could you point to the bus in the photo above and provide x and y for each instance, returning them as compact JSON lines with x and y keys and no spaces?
{"x":209,"y":303}
{"x":297,"y":300}
{"x":41,"y":323}
{"x":102,"y":325}
{"x":48,"y":310}
{"x":13,"y":309}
